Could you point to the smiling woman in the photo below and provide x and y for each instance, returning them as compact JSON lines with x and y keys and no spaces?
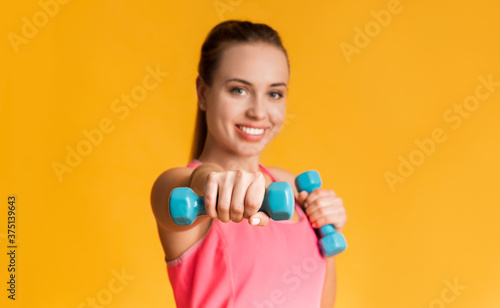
{"x":245,"y":98}
{"x":219,"y":261}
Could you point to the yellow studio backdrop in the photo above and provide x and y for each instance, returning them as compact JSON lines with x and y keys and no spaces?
{"x":396,"y":103}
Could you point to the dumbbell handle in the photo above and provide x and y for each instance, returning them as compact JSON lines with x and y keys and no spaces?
{"x":330,"y":243}
{"x":186,"y":205}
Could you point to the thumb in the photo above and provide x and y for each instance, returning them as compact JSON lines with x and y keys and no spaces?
{"x":302,"y":197}
{"x":258,"y":219}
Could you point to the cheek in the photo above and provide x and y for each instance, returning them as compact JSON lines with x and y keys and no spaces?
{"x":231,"y":108}
{"x":217,"y":106}
{"x":225,"y":111}
{"x":277,"y":114}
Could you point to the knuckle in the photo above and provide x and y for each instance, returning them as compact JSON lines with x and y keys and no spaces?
{"x":212,"y":179}
{"x":240,"y":174}
{"x":327,"y":193}
{"x":209,"y":199}
{"x":253,"y":203}
{"x":237,"y":219}
{"x":223,"y":205}
{"x":322,"y":202}
{"x":321,"y":211}
{"x":237,"y":209}
{"x":258,"y":176}
{"x":212,"y":176}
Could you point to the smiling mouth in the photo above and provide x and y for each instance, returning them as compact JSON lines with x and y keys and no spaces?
{"x":251,"y":131}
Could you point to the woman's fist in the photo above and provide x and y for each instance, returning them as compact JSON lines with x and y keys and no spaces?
{"x":236,"y":195}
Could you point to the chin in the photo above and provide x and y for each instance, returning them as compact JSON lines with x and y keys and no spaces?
{"x":245,"y":149}
{"x":250,"y":149}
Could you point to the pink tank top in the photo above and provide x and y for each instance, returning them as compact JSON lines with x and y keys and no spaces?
{"x":239,"y":265}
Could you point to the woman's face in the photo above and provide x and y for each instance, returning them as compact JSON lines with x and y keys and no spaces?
{"x":246,"y":103}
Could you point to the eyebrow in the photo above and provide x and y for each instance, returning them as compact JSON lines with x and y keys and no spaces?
{"x":249,"y":84}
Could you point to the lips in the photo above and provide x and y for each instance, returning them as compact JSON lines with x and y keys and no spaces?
{"x":251,"y":132}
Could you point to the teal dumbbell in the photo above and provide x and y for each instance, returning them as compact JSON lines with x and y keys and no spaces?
{"x":186,"y":205}
{"x":330,"y":242}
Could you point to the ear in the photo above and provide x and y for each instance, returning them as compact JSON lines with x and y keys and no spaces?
{"x":201,"y":90}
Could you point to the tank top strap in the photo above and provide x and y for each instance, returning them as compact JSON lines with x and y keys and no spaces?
{"x":265,"y":170}
{"x":195,"y":163}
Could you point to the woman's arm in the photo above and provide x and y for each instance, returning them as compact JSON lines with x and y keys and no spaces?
{"x":241,"y":195}
{"x":177,"y":239}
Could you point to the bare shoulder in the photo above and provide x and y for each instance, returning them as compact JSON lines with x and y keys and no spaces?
{"x":282,"y":174}
{"x":171,"y":177}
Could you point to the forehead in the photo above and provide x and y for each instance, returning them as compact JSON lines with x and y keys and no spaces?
{"x":253,"y":62}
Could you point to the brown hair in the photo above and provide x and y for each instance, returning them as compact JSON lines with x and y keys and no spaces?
{"x":223,"y":34}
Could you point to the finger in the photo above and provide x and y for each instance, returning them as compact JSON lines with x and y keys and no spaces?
{"x":338,"y":222}
{"x":238,"y":198}
{"x":319,"y":193}
{"x":254,"y":195}
{"x":334,"y":214}
{"x":225,"y":193}
{"x":211,"y":195}
{"x":327,"y":205}
{"x":319,"y":198}
{"x":320,"y":213}
{"x":259,"y":219}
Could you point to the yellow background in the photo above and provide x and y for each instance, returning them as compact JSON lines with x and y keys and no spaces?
{"x":349,"y":120}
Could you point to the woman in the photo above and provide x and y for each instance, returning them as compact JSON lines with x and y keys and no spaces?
{"x":236,"y":256}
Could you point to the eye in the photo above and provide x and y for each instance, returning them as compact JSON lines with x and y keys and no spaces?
{"x":276,"y":95}
{"x":238,"y":91}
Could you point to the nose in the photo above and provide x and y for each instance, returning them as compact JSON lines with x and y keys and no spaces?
{"x":256,"y":108}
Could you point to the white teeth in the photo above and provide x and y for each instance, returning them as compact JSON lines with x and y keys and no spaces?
{"x":251,"y":131}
